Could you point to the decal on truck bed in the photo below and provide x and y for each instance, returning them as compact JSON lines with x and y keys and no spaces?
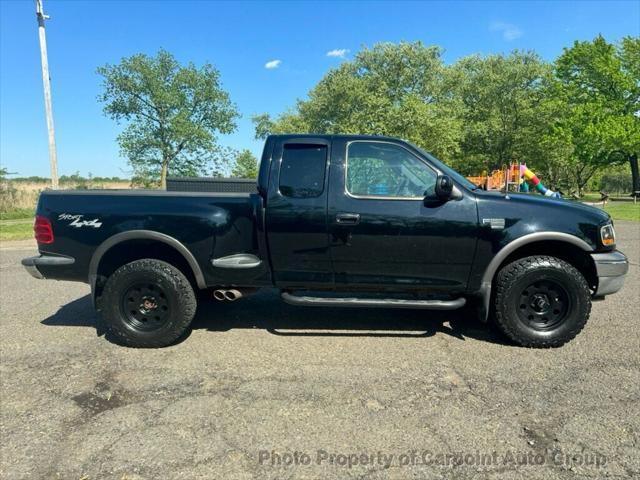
{"x":78,"y":222}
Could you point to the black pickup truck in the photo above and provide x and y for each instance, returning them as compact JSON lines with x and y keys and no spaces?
{"x":335,"y":220}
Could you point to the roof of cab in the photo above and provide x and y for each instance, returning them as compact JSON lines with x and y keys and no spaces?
{"x":291,"y":136}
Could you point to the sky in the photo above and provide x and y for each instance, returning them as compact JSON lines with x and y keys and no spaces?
{"x":268,"y":53}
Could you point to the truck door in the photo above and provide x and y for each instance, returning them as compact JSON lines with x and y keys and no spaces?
{"x":296,"y":216}
{"x":382,"y":233}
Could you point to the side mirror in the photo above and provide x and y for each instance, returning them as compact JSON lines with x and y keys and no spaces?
{"x":443,"y":187}
{"x":441,"y":193}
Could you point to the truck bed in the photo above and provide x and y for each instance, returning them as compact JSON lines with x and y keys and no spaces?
{"x":210,"y":225}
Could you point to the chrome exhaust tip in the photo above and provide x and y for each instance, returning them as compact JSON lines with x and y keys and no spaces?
{"x":219,"y":295}
{"x":232,"y":295}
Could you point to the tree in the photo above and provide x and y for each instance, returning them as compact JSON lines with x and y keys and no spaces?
{"x":502,"y":114}
{"x":479,"y":114}
{"x":173,"y":113}
{"x":246,"y":165}
{"x":391,"y":89}
{"x":600,"y":82}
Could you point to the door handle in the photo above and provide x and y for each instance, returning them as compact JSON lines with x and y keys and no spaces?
{"x":348,"y":218}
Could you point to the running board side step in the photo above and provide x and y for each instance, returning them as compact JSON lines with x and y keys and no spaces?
{"x":373,"y":302}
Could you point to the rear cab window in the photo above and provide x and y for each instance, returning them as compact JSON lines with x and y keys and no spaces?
{"x":302,"y":171}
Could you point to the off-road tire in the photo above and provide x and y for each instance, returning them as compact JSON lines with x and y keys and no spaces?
{"x":166,"y":287}
{"x":513,"y":301}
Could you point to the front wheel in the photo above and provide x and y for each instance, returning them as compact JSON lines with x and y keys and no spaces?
{"x":541,"y":301}
{"x":148,"y":303}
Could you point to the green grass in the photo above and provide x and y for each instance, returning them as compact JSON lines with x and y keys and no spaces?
{"x":16,"y":231}
{"x":590,"y":197}
{"x":623,"y":210}
{"x":18,"y":213}
{"x":16,"y":224}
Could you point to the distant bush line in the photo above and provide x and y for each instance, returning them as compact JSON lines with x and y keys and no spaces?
{"x":69,"y":179}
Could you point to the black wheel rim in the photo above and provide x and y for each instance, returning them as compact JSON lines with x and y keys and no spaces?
{"x":145,"y":306}
{"x":543,"y":305}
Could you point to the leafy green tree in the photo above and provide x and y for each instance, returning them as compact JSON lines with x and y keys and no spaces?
{"x":173,"y":113}
{"x":600,"y":82}
{"x":246,"y":165}
{"x":479,"y":114}
{"x":390,"y":89}
{"x":502,"y":113}
{"x":555,"y":161}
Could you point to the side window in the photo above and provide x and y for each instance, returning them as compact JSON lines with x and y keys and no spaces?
{"x":302,"y":170}
{"x":376,"y":169}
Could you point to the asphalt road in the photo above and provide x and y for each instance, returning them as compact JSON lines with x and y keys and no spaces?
{"x":261,"y":389}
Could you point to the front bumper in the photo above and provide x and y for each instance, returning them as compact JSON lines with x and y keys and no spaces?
{"x":611,"y":267}
{"x":31,"y":264}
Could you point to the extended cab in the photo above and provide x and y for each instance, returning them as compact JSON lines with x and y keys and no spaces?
{"x":335,"y":220}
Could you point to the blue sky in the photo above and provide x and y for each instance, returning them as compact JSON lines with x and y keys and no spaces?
{"x":240,"y":39}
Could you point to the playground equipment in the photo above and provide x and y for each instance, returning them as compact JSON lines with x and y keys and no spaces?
{"x":531,"y":178}
{"x":518,"y":175}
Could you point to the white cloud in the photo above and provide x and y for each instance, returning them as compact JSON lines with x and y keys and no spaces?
{"x":338,"y":52}
{"x":509,"y":30}
{"x":272,"y":64}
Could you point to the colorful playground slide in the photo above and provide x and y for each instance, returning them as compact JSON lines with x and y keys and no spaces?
{"x":531,"y":178}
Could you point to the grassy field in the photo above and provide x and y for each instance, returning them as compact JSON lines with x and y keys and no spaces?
{"x":16,"y":230}
{"x":590,"y":197}
{"x":18,"y":214}
{"x":623,"y":210}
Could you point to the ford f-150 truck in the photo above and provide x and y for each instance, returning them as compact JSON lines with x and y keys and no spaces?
{"x":335,"y":220}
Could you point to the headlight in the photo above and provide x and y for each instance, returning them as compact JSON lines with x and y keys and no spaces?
{"x":608,"y":235}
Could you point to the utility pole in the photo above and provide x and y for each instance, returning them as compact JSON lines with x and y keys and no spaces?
{"x":53,"y":159}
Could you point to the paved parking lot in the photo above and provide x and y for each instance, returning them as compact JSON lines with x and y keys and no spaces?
{"x":261,"y":389}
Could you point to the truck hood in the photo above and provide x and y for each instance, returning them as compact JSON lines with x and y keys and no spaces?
{"x":540,"y":205}
{"x":598,"y":215}
{"x":523,"y":214}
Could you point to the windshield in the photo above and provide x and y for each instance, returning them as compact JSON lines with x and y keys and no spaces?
{"x":448,"y":170}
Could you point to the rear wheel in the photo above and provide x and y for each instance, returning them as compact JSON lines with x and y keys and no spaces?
{"x":148,"y":303}
{"x":541,"y":301}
